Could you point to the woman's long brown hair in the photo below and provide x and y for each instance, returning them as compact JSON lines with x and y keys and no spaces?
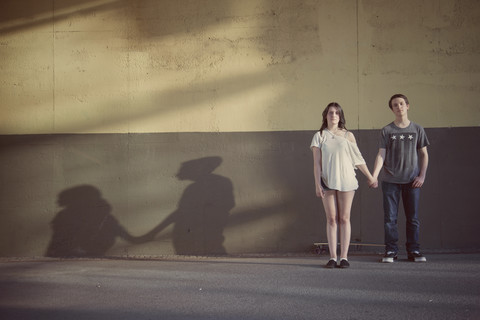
{"x":341,"y":123}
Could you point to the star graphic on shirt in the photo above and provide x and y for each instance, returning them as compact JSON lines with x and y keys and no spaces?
{"x":410,"y":137}
{"x":402,"y":137}
{"x":394,"y":137}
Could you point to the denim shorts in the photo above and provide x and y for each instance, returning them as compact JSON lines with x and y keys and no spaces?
{"x":324,"y":186}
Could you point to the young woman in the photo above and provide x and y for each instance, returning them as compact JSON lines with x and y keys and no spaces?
{"x":335,"y":157}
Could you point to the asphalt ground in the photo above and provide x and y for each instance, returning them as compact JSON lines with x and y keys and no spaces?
{"x":260,"y":287}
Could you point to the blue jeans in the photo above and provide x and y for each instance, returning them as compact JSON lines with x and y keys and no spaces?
{"x":391,"y":201}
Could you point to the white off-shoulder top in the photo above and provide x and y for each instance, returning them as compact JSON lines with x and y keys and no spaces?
{"x":339,"y":158}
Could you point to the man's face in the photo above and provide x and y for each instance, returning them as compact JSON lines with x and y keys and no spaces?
{"x":399,"y":106}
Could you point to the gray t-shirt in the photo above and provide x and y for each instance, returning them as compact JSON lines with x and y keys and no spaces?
{"x":401,"y":158}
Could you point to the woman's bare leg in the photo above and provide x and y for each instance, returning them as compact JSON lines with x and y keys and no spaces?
{"x":344,"y":200}
{"x":330,"y":205}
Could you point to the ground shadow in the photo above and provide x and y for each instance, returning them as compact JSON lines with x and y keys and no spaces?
{"x":203,"y":210}
{"x":85,"y":225}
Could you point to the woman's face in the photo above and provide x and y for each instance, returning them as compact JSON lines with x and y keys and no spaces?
{"x":333,"y":116}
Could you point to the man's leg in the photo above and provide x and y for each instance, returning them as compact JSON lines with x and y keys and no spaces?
{"x":391,"y":199}
{"x":411,"y":197}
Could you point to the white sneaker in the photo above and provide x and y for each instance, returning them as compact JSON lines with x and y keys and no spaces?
{"x":389,"y":257}
{"x":416,"y":256}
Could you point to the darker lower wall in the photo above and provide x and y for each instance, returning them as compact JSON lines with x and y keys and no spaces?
{"x":208,"y":193}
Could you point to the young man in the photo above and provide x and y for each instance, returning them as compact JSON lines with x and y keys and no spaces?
{"x":404,"y":158}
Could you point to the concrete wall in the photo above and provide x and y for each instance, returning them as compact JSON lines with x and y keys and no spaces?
{"x":116,"y":116}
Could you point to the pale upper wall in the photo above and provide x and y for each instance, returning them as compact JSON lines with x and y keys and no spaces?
{"x":429,"y":50}
{"x":169,"y":66}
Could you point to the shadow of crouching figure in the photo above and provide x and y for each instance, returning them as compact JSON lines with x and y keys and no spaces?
{"x":85,"y":226}
{"x":203,"y":210}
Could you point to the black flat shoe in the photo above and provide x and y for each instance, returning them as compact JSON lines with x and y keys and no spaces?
{"x":331,"y":264}
{"x":344,"y":264}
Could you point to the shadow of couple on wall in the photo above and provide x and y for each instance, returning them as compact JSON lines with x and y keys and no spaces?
{"x":86,"y":227}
